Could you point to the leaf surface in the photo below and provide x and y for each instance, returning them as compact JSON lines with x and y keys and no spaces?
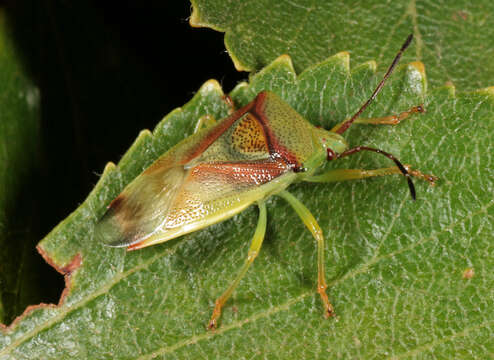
{"x":454,"y":38}
{"x":395,"y":267}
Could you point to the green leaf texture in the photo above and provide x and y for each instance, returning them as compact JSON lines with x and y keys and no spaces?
{"x":454,"y":38}
{"x":19,"y":144}
{"x":395,"y":267}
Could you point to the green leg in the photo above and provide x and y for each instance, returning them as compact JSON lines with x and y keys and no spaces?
{"x":352,"y":174}
{"x":316,"y":231}
{"x":386,"y":120}
{"x":253,"y":252}
{"x":204,"y":122}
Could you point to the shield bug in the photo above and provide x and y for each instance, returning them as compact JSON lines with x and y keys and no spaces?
{"x":220,"y":170}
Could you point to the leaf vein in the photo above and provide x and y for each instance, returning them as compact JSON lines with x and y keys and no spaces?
{"x":65,"y":310}
{"x":442,"y":340}
{"x":285,"y":306}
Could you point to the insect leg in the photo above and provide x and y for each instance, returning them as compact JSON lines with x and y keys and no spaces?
{"x":353,"y":174}
{"x":253,"y":252}
{"x":204,"y":122}
{"x":311,"y":223}
{"x":385,"y":120}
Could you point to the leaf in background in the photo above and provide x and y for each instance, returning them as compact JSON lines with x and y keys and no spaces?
{"x":395,"y":267}
{"x":454,"y":38}
{"x":19,"y":161}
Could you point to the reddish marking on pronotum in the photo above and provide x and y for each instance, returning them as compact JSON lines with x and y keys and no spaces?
{"x":273,"y":143}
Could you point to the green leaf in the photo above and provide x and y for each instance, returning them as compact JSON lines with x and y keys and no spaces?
{"x":395,"y":267}
{"x":453,"y":38}
{"x":19,"y":144}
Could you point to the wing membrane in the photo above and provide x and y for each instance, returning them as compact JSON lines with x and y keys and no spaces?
{"x":141,"y":207}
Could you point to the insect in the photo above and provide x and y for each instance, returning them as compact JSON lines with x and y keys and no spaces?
{"x":256,"y":152}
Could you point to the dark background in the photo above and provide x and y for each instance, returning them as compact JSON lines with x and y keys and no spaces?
{"x":105,"y":71}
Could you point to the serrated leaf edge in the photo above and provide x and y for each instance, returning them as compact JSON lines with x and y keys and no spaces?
{"x":210,"y":85}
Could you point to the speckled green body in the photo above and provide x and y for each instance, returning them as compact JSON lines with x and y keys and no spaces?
{"x":217,"y":172}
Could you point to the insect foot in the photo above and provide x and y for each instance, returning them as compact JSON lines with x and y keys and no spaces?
{"x":328,"y":308}
{"x":396,"y":119}
{"x":431,"y":179}
{"x":213,"y":323}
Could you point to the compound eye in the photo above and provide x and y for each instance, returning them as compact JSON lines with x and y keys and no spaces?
{"x":330,"y":154}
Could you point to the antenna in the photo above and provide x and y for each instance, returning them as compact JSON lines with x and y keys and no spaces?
{"x":349,"y":122}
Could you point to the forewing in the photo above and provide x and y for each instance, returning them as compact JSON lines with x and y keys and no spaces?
{"x":140,"y":209}
{"x":223,"y":179}
{"x":213,"y":192}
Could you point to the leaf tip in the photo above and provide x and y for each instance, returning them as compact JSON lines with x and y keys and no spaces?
{"x":144,"y":133}
{"x":370,"y":66}
{"x":418,"y":66}
{"x":195,"y":16}
{"x":239,"y":66}
{"x":110,"y":166}
{"x":344,"y":58}
{"x":211,"y":86}
{"x":280,"y":66}
{"x":240,"y":89}
{"x":284,"y":60}
{"x":449,"y":84}
{"x":450,"y":88}
{"x":196,"y":19}
{"x":416,"y":77}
